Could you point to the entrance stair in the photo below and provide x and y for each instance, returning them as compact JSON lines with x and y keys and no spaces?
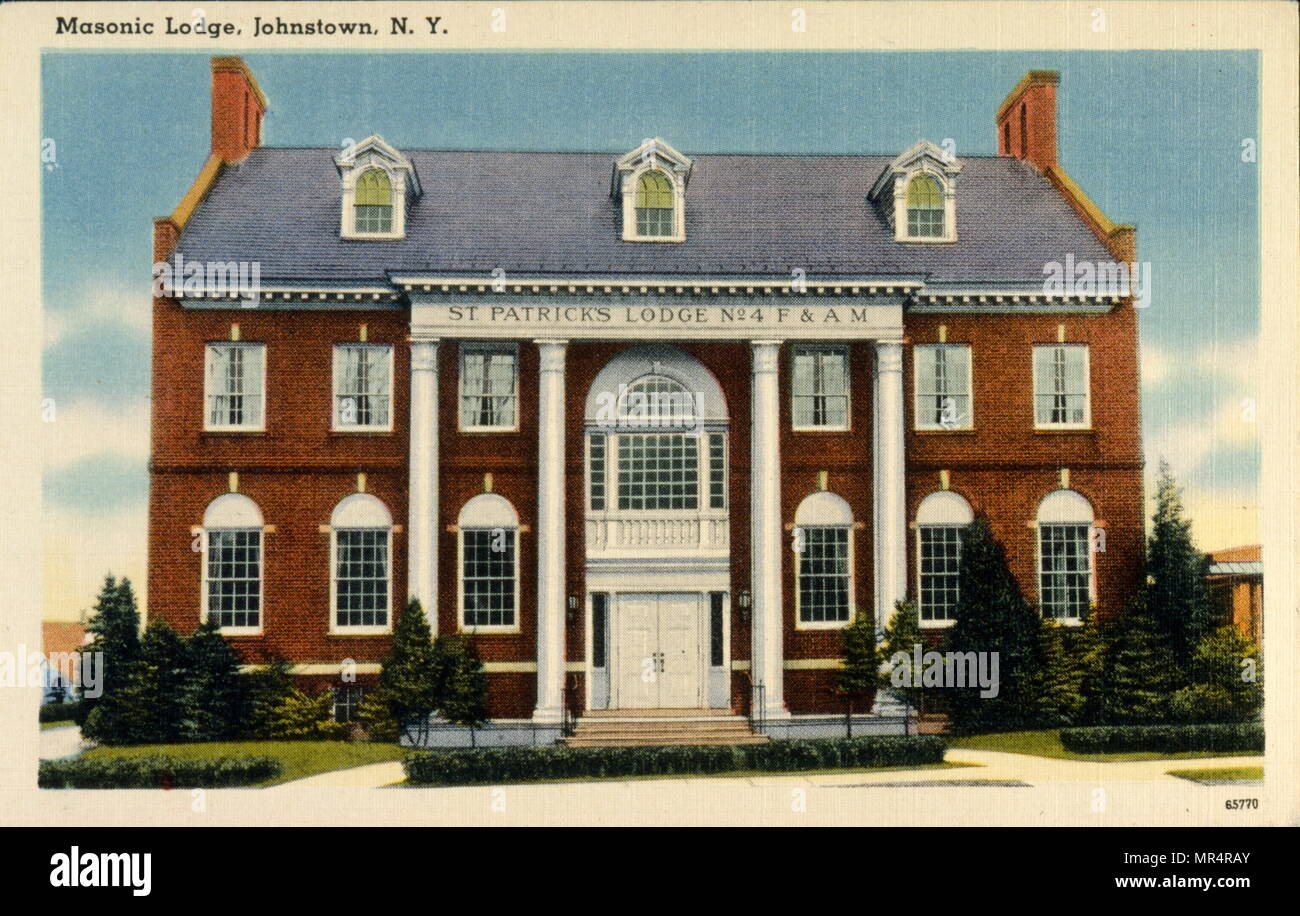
{"x":659,"y":727}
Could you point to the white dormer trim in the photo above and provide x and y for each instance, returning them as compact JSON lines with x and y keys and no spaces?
{"x":890,"y":190}
{"x":353,"y":162}
{"x":653,"y":155}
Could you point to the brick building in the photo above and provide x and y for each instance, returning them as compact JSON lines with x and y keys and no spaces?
{"x":652,"y":427}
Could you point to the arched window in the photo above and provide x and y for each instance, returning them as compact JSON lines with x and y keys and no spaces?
{"x":823,"y":545}
{"x":374,"y":202}
{"x":654,"y":205}
{"x":940,"y":520}
{"x":361,"y":536}
{"x":657,"y":401}
{"x":1065,"y":586}
{"x":232,"y":563}
{"x":489,"y":564}
{"x":924,"y":207}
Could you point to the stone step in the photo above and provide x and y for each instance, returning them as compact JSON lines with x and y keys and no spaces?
{"x":673,"y":741}
{"x":671,"y":713}
{"x":664,"y":724}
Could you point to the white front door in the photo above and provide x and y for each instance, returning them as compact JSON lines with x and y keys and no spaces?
{"x":658,"y":651}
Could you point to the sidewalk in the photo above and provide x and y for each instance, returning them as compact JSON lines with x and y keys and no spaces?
{"x":62,"y":743}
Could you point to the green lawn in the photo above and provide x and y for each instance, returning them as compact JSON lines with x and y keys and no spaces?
{"x":59,"y":724}
{"x":1047,"y":743}
{"x":1236,"y":774}
{"x":298,"y":758}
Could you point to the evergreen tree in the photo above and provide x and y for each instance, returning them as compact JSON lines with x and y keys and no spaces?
{"x":1138,"y":672}
{"x":462,"y":699}
{"x":993,"y":616}
{"x":410,"y":676}
{"x":861,"y":668}
{"x":1178,"y":599}
{"x":1090,"y":654}
{"x":115,"y":626}
{"x":149,"y":707}
{"x":902,"y":634}
{"x":1063,"y":668}
{"x":211,"y":694}
{"x":262,"y":691}
{"x":1227,"y":681}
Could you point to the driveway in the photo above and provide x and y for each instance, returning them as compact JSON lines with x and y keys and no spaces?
{"x":62,"y":743}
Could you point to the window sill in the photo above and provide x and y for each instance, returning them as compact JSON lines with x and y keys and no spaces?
{"x":936,"y":624}
{"x":240,"y":631}
{"x":486,"y":430}
{"x":362,"y":431}
{"x":822,"y":430}
{"x":234,"y":431}
{"x":834,"y":625}
{"x":361,"y":631}
{"x":1066,"y":430}
{"x":944,"y":431}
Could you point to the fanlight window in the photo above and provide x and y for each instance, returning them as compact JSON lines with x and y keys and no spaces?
{"x":374,"y":202}
{"x":654,"y":205}
{"x":924,"y":207}
{"x":657,"y":401}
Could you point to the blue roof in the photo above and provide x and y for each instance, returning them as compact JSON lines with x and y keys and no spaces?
{"x":551,"y":213}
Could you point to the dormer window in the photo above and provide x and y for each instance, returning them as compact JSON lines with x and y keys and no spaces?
{"x":916,"y":194}
{"x":379,"y":185}
{"x":924,"y":207}
{"x":650,"y":182}
{"x":374,"y":207}
{"x":654,"y":205}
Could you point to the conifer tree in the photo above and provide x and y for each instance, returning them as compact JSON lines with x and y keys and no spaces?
{"x":408,"y":677}
{"x":902,"y":634}
{"x":211,"y":695}
{"x":1138,"y":671}
{"x":1178,"y":599}
{"x":115,"y":626}
{"x":861,"y":668}
{"x":463,"y":696}
{"x":993,"y":616}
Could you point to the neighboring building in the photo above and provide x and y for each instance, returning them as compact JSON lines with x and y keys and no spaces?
{"x":653,"y":427}
{"x":1236,"y":579}
{"x":60,"y":641}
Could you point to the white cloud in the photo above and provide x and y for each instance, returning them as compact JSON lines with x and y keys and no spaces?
{"x":103,"y":303}
{"x":1185,"y":444}
{"x":1157,"y":365}
{"x":1221,"y":517}
{"x":84,"y":428}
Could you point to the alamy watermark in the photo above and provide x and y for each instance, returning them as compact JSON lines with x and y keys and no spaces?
{"x":1099,"y":278}
{"x":24,"y":668}
{"x":183,"y":276}
{"x":945,"y":669}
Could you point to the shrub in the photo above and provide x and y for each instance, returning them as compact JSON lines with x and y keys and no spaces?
{"x":262,"y":691}
{"x":156,"y":772}
{"x":376,"y":718}
{"x":1164,"y":739}
{"x":307,"y":717}
{"x":59,"y":712}
{"x":520,"y":764}
{"x":1202,"y":703}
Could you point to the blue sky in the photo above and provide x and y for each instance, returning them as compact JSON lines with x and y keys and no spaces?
{"x":1154,"y":137}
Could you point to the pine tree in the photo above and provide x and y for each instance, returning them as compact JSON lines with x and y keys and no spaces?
{"x":148,"y":707}
{"x":211,"y":694}
{"x":409,"y":675}
{"x":463,"y":697}
{"x":115,"y":626}
{"x":861,"y":660}
{"x":1090,"y":654}
{"x":902,"y":634}
{"x":262,"y":691}
{"x":1138,"y":671}
{"x":1178,"y":599}
{"x":993,"y":616}
{"x":1227,"y":680}
{"x":1063,"y":669}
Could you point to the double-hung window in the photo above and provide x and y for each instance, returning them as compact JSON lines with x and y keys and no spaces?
{"x":234,"y":384}
{"x":489,"y":565}
{"x":232,"y":564}
{"x":820,"y":389}
{"x":488,"y":387}
{"x":1065,"y":559}
{"x":1061,"y":386}
{"x":943,"y":386}
{"x":363,"y":387}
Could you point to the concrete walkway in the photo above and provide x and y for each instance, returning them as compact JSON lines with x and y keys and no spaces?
{"x":991,"y":768}
{"x":62,"y":743}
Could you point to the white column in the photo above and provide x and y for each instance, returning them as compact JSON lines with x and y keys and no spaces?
{"x":887,"y":459}
{"x":550,"y":531}
{"x":766,"y":532}
{"x":422,"y":523}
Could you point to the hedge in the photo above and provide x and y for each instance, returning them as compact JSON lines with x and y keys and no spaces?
{"x":59,"y":712}
{"x":156,"y":772}
{"x":518,"y":764}
{"x":1164,"y":739}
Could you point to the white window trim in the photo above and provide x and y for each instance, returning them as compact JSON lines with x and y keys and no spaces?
{"x":916,"y":389}
{"x":1087,"y":385}
{"x":847,"y":426}
{"x":335,"y":628}
{"x":484,"y":346}
{"x":208,"y":392}
{"x":460,"y":585}
{"x":337,"y":427}
{"x":799,"y":622}
{"x":397,"y":185}
{"x":677,"y":183}
{"x":261,"y":583}
{"x":1038,"y":572}
{"x":901,"y":234}
{"x":701,"y":510}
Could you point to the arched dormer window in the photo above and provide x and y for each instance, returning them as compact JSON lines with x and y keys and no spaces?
{"x":379,"y":185}
{"x":373,"y":211}
{"x":488,"y":535}
{"x":651,"y":183}
{"x":924,"y":207}
{"x":823,"y":545}
{"x":654,"y":205}
{"x":940,"y":520}
{"x":232,"y":564}
{"x":1065,"y":568}
{"x":361,"y":548}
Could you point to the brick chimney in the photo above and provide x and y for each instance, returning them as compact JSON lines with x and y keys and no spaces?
{"x":237,"y":109}
{"x":1027,"y":120}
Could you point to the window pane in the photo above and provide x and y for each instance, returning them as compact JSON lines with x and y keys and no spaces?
{"x":361,"y":577}
{"x":234,"y":570}
{"x":658,"y":471}
{"x":596,"y":471}
{"x":488,"y":577}
{"x":233,"y":382}
{"x":1066,"y":573}
{"x":487,"y":388}
{"x":362,"y":385}
{"x":820,"y":387}
{"x":940,"y":555}
{"x":1061,"y":385}
{"x":943,"y":395}
{"x":824,"y":575}
{"x":717,"y":471}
